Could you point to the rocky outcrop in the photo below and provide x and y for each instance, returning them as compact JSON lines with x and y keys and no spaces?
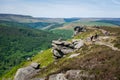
{"x":61,"y":48}
{"x":59,"y":76}
{"x":27,"y":72}
{"x":78,"y":29}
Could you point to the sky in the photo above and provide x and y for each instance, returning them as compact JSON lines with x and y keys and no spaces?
{"x":62,"y":8}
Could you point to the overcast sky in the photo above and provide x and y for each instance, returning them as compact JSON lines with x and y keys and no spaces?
{"x":62,"y":8}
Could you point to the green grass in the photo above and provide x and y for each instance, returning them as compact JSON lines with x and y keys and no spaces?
{"x":86,"y":34}
{"x":65,"y":34}
{"x":45,"y":58}
{"x":12,"y":72}
{"x":93,"y":23}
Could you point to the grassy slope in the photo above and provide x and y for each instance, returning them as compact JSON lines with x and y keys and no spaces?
{"x":66,"y":34}
{"x":85,"y":23}
{"x":88,"y":60}
{"x":98,"y":60}
{"x":44,"y":58}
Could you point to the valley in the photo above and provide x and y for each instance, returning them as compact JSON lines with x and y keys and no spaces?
{"x":23,"y":37}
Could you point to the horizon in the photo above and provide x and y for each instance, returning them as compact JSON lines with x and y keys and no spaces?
{"x":54,"y":17}
{"x":62,"y":8}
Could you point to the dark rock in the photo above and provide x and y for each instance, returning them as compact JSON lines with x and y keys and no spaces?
{"x":78,"y":29}
{"x":35,"y":65}
{"x":57,"y":42}
{"x":57,"y":53}
{"x":66,"y":50}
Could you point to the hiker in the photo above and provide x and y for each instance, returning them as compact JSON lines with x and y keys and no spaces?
{"x":96,"y":36}
{"x":91,"y":38}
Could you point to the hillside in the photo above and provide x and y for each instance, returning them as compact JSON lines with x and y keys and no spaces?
{"x":96,"y":60}
{"x":26,"y":18}
{"x":117,"y":22}
{"x":30,"y":19}
{"x":89,"y":23}
{"x":17,"y":43}
{"x":51,"y":23}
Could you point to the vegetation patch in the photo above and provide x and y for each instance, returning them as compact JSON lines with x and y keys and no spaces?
{"x":44,"y":58}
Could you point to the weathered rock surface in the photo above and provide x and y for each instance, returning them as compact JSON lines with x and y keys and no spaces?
{"x":27,"y":72}
{"x":61,"y":48}
{"x":79,"y":75}
{"x":74,"y":55}
{"x":59,"y":76}
{"x":38,"y":79}
{"x":78,"y":43}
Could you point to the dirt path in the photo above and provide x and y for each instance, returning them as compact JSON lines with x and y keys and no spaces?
{"x":102,"y":40}
{"x":108,"y":45}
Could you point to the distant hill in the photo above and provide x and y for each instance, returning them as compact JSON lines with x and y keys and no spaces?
{"x":35,"y":25}
{"x":117,"y":22}
{"x":30,"y":19}
{"x":51,"y":23}
{"x":85,"y":23}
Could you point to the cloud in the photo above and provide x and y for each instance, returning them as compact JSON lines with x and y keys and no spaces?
{"x":116,"y":2}
{"x":8,"y":0}
{"x":61,"y":8}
